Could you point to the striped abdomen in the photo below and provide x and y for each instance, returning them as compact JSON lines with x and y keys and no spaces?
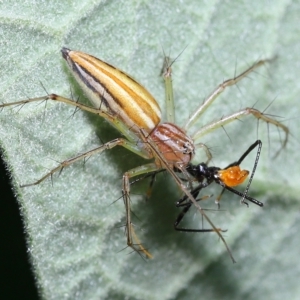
{"x":112,"y":90}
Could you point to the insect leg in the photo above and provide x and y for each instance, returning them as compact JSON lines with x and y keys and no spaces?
{"x":187,"y":206}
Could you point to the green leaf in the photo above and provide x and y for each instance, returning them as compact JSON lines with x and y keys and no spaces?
{"x":73,"y":225}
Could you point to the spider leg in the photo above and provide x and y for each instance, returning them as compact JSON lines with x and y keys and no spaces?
{"x":209,"y":100}
{"x":237,"y":115}
{"x":132,"y":239}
